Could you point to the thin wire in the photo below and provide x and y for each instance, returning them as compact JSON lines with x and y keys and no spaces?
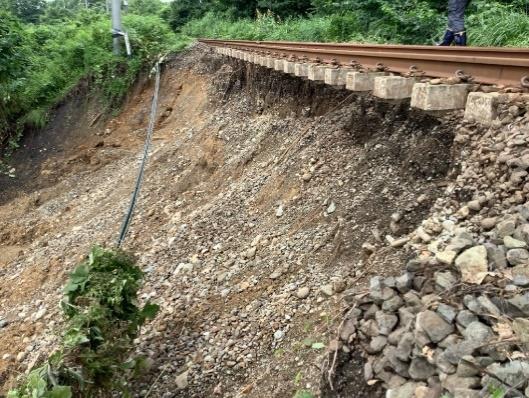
{"x":135,"y":194}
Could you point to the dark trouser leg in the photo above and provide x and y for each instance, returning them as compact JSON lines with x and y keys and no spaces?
{"x":456,"y":15}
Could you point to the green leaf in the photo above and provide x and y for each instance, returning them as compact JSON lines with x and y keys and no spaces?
{"x":78,"y":279}
{"x":303,"y":394}
{"x":150,"y":311}
{"x":74,"y":337}
{"x":318,"y":346}
{"x":308,"y":342}
{"x":60,"y":392}
{"x":14,"y":394}
{"x":36,"y":384}
{"x":298,"y":378}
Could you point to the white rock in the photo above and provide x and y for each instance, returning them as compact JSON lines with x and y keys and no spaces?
{"x":303,"y":292}
{"x":473,"y":264}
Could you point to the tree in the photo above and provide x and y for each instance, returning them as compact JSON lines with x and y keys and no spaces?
{"x":146,"y":7}
{"x":182,"y":11}
{"x":286,"y":8}
{"x":13,"y":50}
{"x":26,"y":10}
{"x":236,"y":8}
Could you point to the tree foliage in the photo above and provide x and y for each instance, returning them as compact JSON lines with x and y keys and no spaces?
{"x":26,"y":10}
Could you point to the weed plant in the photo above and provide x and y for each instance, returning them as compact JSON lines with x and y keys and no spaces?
{"x":102,"y":320}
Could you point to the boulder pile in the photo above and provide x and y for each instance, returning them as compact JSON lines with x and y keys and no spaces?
{"x":456,"y":322}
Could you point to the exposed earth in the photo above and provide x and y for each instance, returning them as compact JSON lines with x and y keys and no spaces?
{"x":267,"y":201}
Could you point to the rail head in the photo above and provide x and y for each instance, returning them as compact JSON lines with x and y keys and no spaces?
{"x":488,"y":65}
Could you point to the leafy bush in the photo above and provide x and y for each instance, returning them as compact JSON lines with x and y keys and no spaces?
{"x":44,"y":62}
{"x":495,"y":24}
{"x":102,"y":320}
{"x":14,"y":51}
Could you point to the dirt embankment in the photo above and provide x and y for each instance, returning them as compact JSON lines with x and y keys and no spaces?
{"x":263,"y":197}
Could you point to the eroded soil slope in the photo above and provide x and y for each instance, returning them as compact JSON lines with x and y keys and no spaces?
{"x":261,"y":191}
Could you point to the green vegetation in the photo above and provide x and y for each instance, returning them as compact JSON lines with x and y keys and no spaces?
{"x":102,"y":320}
{"x":303,"y":394}
{"x":47,"y":50}
{"x":500,"y":23}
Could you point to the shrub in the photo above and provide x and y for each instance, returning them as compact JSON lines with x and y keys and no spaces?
{"x":102,"y":320}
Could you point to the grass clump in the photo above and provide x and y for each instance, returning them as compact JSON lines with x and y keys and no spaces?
{"x":102,"y":320}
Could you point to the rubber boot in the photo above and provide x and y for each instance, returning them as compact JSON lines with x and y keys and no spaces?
{"x":448,"y":38}
{"x":460,"y":39}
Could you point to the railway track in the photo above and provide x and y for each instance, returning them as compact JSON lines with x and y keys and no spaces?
{"x":488,"y":65}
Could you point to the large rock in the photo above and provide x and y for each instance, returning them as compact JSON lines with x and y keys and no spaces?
{"x":435,"y":327}
{"x":506,"y":227}
{"x":400,"y":367}
{"x":488,"y":307}
{"x":456,"y":352}
{"x":405,"y":346}
{"x":478,"y":332}
{"x":514,"y":374}
{"x":521,"y":329}
{"x":518,"y":256}
{"x":465,"y":318}
{"x":511,"y":243}
{"x":467,"y":393}
{"x":447,"y":312}
{"x":453,"y":382}
{"x":473,"y":264}
{"x":496,"y":255}
{"x":520,"y":304}
{"x":420,"y":369}
{"x":405,"y":391}
{"x":386,"y":322}
{"x":461,"y":242}
{"x":445,"y":279}
{"x":520,"y":275}
{"x":377,"y":344}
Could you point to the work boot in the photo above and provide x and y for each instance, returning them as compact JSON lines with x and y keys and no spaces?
{"x":460,"y":39}
{"x":448,"y":38}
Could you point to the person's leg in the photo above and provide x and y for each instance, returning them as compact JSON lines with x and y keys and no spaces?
{"x":456,"y":15}
{"x":456,"y":20}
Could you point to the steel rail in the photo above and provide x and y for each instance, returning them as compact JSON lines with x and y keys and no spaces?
{"x":489,"y":65}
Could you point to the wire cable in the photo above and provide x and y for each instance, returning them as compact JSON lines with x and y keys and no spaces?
{"x":135,"y":194}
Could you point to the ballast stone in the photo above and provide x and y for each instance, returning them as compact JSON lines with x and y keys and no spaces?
{"x":482,"y":107}
{"x":442,"y":97}
{"x":360,"y":81}
{"x":393,"y":87}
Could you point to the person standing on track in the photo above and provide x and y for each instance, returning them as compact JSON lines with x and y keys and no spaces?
{"x":456,"y":34}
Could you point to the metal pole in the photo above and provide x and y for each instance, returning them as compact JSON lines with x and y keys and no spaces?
{"x":116,"y":25}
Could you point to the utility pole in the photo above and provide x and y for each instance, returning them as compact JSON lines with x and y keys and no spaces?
{"x":117,"y":31}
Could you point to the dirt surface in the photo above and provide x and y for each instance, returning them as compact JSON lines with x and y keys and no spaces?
{"x":260,"y":186}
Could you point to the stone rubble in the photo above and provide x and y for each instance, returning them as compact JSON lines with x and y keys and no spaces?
{"x":461,"y":328}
